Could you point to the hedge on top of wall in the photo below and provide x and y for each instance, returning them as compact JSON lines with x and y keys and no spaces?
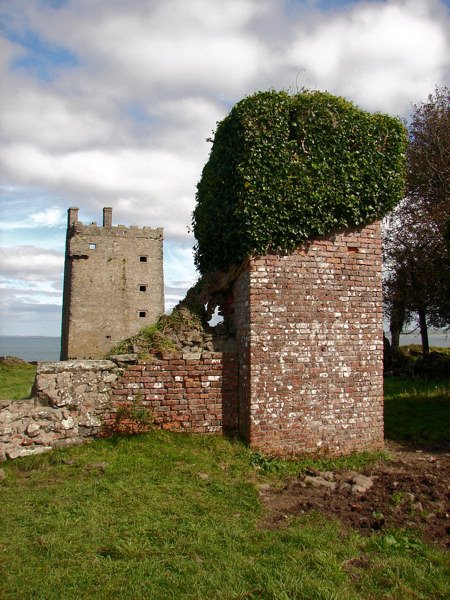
{"x":284,"y":169}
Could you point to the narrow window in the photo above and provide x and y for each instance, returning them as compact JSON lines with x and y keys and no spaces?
{"x":142,"y":288}
{"x":142,"y":314}
{"x":92,"y":246}
{"x":143,"y":258}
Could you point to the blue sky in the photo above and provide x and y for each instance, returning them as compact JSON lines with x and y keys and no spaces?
{"x":109,"y":103}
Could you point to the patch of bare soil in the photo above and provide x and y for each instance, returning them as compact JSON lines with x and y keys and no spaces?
{"x":409,"y":491}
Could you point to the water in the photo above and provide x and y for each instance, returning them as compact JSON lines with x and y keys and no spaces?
{"x":31,"y":348}
{"x":40,"y":348}
{"x":440,"y":339}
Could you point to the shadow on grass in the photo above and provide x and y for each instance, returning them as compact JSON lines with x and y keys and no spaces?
{"x":417,"y":413}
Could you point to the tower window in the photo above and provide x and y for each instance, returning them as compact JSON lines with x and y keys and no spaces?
{"x":143,"y":258}
{"x":142,"y":288}
{"x":142,"y":314}
{"x":92,"y":246}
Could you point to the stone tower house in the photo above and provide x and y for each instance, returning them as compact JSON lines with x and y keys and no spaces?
{"x":113,"y":284}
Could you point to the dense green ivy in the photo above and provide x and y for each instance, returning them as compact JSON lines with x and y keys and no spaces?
{"x":284,"y":169}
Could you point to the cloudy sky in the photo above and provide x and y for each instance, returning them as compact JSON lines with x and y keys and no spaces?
{"x":110,"y":103}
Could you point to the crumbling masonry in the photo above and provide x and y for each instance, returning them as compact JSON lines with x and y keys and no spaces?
{"x":306,"y":377}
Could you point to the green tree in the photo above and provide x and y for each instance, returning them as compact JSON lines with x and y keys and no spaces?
{"x":284,"y":169}
{"x":417,"y":284}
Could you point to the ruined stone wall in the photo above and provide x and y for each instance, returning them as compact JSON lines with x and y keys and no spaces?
{"x":70,"y":401}
{"x":78,"y":400}
{"x":113,"y":285}
{"x":311,"y":347}
{"x":307,"y":378}
{"x":184,"y":393}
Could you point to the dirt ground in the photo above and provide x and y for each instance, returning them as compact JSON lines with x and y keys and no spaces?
{"x":410,"y":491}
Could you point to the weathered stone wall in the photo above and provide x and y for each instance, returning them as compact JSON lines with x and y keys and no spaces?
{"x":113,"y":285}
{"x":71,"y":400}
{"x":310,"y":345}
{"x":78,"y":400}
{"x":193,"y":393}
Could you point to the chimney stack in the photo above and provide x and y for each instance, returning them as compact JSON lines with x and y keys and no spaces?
{"x":72,"y":216}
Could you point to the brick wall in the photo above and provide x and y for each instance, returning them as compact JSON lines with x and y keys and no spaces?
{"x":309,"y":329}
{"x":78,"y":400}
{"x":193,"y":394}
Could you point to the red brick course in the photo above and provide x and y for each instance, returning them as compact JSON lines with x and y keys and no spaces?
{"x":307,"y":378}
{"x":198,"y":395}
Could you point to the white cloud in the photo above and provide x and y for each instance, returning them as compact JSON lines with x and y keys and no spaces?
{"x":155,"y":182}
{"x":34,"y":114}
{"x":31,"y":264}
{"x":171,"y":43}
{"x":381,"y":55}
{"x":48,"y":218}
{"x":125,"y":126}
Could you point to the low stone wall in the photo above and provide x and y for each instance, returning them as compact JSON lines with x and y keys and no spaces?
{"x":81,"y":399}
{"x":197,"y":393}
{"x":71,"y":398}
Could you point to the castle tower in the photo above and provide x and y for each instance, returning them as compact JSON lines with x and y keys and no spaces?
{"x":113,"y":284}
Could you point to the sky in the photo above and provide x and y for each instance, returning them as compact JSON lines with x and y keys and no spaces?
{"x":112,"y":103}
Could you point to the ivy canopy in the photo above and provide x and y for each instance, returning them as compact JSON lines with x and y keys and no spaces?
{"x":285,"y":169}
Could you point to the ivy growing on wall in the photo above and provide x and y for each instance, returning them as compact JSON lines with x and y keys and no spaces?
{"x":284,"y":169}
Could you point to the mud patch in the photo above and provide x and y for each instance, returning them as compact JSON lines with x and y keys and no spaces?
{"x":410,"y":491}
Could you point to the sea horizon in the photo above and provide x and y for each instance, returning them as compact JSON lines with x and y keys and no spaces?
{"x":42,"y":348}
{"x":32,"y":348}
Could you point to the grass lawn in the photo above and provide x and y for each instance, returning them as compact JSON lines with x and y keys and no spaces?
{"x":167,"y":516}
{"x":417,"y":411}
{"x":16,"y":380}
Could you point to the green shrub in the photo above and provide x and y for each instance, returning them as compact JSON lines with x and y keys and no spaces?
{"x":284,"y":169}
{"x":409,"y":361}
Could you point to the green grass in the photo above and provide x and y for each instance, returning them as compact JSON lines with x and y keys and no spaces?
{"x":417,"y":411}
{"x":177,"y":516}
{"x":16,"y":380}
{"x":173,"y":516}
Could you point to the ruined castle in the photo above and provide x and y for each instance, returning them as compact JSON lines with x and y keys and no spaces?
{"x":306,"y":376}
{"x":113,"y":284}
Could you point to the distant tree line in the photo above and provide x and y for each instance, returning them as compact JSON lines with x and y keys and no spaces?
{"x":417,"y":233}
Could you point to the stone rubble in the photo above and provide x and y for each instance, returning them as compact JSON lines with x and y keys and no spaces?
{"x":349,"y":480}
{"x":70,"y":398}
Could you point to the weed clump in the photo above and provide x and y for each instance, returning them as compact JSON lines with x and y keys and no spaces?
{"x":185,"y":330}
